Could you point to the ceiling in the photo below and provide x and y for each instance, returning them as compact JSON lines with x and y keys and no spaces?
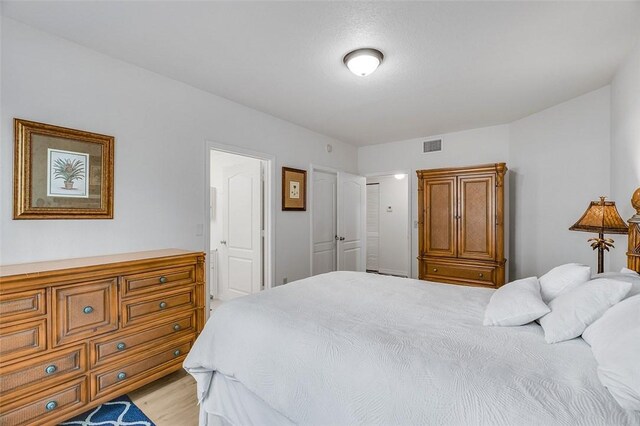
{"x":448,"y":65}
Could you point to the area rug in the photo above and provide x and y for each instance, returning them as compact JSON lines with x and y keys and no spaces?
{"x":117,"y":412}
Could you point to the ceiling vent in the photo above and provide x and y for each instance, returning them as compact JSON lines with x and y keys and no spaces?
{"x":432,"y":146}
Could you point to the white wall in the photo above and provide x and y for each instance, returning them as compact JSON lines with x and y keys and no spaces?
{"x":625,"y":144}
{"x":393,"y":240}
{"x":160,"y":126}
{"x":559,"y":161}
{"x":478,"y":146}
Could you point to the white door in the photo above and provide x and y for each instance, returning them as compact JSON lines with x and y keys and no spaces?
{"x":324,"y":230}
{"x":352,"y":199}
{"x":373,"y":227}
{"x":240,"y":254}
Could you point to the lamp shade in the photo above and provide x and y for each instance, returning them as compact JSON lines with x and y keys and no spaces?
{"x":601,"y":217}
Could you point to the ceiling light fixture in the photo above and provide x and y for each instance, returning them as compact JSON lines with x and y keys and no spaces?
{"x":363,"y":62}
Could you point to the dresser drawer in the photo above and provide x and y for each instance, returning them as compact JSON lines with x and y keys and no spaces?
{"x":26,"y":304}
{"x":168,"y":278}
{"x":139,"y":310}
{"x":23,"y":339}
{"x":47,"y":406}
{"x":84,"y":310}
{"x":483,"y":275}
{"x":45,"y":370}
{"x":115,"y":347}
{"x":128,"y":372}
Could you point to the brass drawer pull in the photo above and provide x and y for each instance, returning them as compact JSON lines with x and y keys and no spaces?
{"x":163,"y":279}
{"x":481,"y":275}
{"x":121,"y":346}
{"x":122,"y":375}
{"x":87,"y":309}
{"x":176,"y":352}
{"x":51,"y":405}
{"x":163,"y":305}
{"x":176,"y":327}
{"x":435,"y":269}
{"x":50,"y":369}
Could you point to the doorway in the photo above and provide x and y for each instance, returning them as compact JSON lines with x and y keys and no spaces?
{"x":388,"y":231}
{"x":239,"y":219}
{"x":338,"y":216}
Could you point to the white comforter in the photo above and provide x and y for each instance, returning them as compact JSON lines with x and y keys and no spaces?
{"x":354,"y":348}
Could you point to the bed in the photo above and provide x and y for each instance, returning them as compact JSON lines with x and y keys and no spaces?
{"x":355,"y":348}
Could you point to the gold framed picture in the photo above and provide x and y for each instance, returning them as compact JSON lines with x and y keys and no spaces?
{"x":294,"y":189}
{"x":61,"y":173}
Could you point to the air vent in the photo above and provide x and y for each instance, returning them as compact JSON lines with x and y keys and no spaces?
{"x":432,"y":146}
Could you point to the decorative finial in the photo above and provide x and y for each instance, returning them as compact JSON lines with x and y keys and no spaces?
{"x":635,"y":201}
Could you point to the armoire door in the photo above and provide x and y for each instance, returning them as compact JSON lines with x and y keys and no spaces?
{"x":439,"y":222}
{"x":476,"y":217}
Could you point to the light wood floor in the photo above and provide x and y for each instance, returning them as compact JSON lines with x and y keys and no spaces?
{"x":171,"y":400}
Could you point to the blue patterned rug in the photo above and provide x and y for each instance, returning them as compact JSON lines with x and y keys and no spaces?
{"x":117,"y":412}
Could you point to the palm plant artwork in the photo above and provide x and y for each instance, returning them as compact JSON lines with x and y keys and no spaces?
{"x":68,"y":170}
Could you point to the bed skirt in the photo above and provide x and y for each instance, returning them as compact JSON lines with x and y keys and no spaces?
{"x":229,"y":402}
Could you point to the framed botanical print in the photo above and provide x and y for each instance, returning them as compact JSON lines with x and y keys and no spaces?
{"x":294,"y":189}
{"x":61,"y":173}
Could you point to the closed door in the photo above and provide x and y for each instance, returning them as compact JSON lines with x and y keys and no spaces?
{"x":440,"y":217}
{"x":352,"y":198}
{"x":240,"y":253}
{"x":476,"y":223}
{"x":324,"y":222}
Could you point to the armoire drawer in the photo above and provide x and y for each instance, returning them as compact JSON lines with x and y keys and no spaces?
{"x":158,"y":280}
{"x":47,"y":406}
{"x":464,"y":273}
{"x":26,"y":304}
{"x":129,"y":371}
{"x":84,"y":310}
{"x":23,"y":339}
{"x":45,"y":370}
{"x":114,"y":347}
{"x":136,"y":311}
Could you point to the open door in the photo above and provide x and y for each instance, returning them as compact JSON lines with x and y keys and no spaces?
{"x":240,"y":254}
{"x":352,"y":212}
{"x":324,"y":224}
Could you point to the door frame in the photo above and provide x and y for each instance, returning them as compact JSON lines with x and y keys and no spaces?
{"x":312,"y":169}
{"x":268,"y":209}
{"x":409,"y":211}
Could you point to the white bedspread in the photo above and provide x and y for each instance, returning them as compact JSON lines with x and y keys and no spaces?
{"x":354,"y":348}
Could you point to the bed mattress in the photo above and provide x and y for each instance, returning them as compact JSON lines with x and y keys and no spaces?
{"x":356,"y":348}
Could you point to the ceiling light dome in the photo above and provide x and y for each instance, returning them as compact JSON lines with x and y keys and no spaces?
{"x":363,"y":62}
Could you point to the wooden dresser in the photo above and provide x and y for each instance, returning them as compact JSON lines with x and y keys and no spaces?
{"x":76,"y":333}
{"x":461,"y":225}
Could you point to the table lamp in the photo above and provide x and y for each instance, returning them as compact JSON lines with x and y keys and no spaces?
{"x":601,"y":217}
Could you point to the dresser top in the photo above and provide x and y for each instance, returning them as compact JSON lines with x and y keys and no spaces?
{"x":82,"y":262}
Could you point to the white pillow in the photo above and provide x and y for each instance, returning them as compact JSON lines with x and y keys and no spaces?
{"x":615,"y":342}
{"x":516,"y":303}
{"x":563,"y":278}
{"x":575,"y":310}
{"x":624,"y":275}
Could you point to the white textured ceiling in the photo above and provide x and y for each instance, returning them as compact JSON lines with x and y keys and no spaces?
{"x":448,"y":65}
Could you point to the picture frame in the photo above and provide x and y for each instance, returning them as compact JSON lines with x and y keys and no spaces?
{"x":61,"y":173}
{"x":294,"y":189}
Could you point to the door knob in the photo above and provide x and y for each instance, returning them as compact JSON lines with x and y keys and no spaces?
{"x":342,"y":238}
{"x":223,"y":242}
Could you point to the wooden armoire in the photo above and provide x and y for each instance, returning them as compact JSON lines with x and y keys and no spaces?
{"x":461,"y":225}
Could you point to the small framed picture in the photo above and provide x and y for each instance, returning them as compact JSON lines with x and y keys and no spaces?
{"x":294,"y":189}
{"x":61,"y":173}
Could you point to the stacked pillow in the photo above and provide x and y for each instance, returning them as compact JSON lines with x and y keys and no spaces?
{"x":568,"y":303}
{"x":615,"y":342}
